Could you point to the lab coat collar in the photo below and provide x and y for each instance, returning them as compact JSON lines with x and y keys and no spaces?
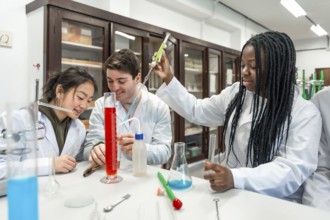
{"x":121,"y":112}
{"x":71,"y":138}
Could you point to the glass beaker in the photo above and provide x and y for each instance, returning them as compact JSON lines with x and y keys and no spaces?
{"x":179,"y":178}
{"x":22,"y":184}
{"x":110,"y":129}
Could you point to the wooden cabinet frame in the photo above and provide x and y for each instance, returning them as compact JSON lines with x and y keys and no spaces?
{"x":56,"y":10}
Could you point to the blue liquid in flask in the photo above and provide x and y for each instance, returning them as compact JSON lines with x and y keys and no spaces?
{"x":180,"y":184}
{"x":22,"y":198}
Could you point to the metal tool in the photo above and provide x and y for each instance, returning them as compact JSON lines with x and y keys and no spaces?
{"x":111,"y":207}
{"x":217,"y":207}
{"x":91,"y":170}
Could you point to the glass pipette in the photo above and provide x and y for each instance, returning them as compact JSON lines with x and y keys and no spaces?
{"x":155,"y":60}
{"x":54,"y":107}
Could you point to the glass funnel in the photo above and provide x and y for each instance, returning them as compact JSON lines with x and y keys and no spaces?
{"x":179,"y":178}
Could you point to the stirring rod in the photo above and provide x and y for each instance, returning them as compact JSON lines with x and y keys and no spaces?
{"x":54,"y":107}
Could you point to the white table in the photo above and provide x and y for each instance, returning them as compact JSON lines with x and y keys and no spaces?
{"x":197,"y":202}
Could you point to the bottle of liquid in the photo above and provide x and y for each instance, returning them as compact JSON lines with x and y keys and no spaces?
{"x":139,"y":156}
{"x":179,"y":178}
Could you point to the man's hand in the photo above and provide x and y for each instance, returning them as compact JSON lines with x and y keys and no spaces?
{"x":126,"y":142}
{"x":97,"y":155}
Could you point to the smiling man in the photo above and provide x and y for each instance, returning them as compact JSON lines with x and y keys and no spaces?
{"x":124,"y":78}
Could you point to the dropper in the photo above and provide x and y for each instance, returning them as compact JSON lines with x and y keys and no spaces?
{"x":131,"y":119}
{"x":155,"y":60}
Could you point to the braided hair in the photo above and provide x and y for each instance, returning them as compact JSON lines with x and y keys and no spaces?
{"x":272,"y":100}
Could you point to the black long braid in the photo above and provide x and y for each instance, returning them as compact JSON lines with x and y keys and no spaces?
{"x":272,"y":101}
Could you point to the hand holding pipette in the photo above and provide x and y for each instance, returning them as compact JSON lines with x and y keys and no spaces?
{"x":177,"y":204}
{"x":155,"y":60}
{"x":163,"y":70}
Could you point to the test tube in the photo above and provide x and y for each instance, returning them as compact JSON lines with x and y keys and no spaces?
{"x":212,"y":144}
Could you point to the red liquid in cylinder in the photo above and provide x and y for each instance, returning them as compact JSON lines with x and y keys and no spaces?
{"x":111,"y":164}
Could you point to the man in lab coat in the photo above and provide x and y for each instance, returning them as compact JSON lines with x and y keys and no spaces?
{"x":124,"y":78}
{"x":317,"y":187}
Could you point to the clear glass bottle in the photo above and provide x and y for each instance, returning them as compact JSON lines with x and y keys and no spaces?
{"x":179,"y":178}
{"x":139,"y":156}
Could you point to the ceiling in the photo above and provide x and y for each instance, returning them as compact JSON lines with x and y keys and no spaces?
{"x":272,"y":15}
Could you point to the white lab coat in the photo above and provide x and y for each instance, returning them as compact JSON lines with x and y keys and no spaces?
{"x":47,"y":147}
{"x":317,"y":187}
{"x":73,"y":145}
{"x":155,"y":121}
{"x":281,"y":177}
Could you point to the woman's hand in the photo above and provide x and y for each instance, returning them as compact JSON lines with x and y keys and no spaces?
{"x":126,"y":141}
{"x":222,"y":178}
{"x":64,"y":164}
{"x":163,"y":69}
{"x":97,"y":155}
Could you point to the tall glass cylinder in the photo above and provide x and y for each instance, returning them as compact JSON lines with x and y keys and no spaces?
{"x":22,"y":185}
{"x":110,"y":129}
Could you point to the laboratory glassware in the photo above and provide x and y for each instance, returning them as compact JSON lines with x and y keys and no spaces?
{"x":21,"y":157}
{"x":53,"y":185}
{"x":110,"y":129}
{"x":179,"y":178}
{"x":212,"y":145}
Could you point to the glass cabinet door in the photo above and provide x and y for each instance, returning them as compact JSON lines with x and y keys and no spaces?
{"x":155,"y":81}
{"x":133,"y":39}
{"x":214,"y":68}
{"x":82,"y":46}
{"x":230,"y":65}
{"x":193,"y":80}
{"x":128,"y":41}
{"x":214,"y":82}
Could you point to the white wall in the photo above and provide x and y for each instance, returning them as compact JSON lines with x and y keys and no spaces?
{"x":310,"y":60}
{"x":312,"y":55}
{"x":15,"y":77}
{"x":203,"y":19}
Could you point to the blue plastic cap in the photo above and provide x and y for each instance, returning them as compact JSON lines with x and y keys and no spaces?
{"x":139,"y":136}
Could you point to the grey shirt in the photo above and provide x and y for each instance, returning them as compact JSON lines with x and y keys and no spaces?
{"x":317,"y":187}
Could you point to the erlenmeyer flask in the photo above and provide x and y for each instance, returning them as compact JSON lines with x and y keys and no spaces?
{"x":179,"y":178}
{"x":53,"y":186}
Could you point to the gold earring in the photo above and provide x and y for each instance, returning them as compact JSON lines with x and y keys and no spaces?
{"x":58,"y":100}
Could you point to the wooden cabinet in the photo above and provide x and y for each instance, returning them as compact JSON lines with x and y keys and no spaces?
{"x":79,"y":35}
{"x":192,"y":77}
{"x":74,"y":39}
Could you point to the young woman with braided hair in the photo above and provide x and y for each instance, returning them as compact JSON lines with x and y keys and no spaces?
{"x":269,"y":131}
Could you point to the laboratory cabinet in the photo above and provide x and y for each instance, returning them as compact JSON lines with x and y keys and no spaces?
{"x":74,"y":34}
